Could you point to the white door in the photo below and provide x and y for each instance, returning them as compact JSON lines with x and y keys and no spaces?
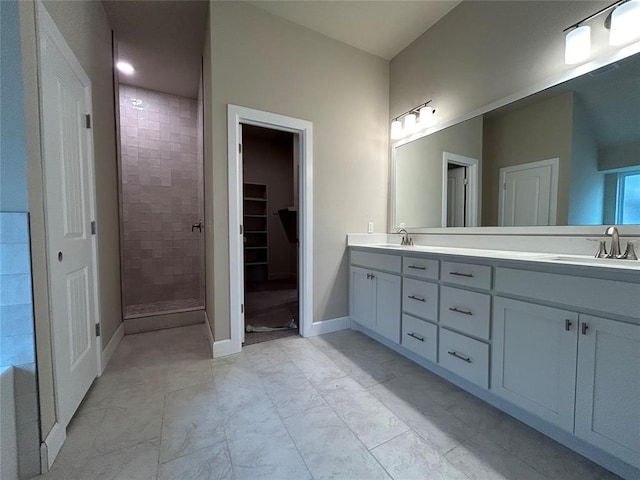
{"x":456,"y":196}
{"x":387,"y":301}
{"x":534,"y":359}
{"x":608,"y":387}
{"x":361,"y":297}
{"x":68,"y":171}
{"x":528,"y":194}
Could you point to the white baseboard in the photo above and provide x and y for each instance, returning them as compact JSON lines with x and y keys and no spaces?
{"x":328,"y":326}
{"x":207,"y":325}
{"x":109,"y":350}
{"x":222,"y":348}
{"x":52,"y":445}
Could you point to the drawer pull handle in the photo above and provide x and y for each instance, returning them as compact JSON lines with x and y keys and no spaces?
{"x":457,"y":310}
{"x":459,"y":274}
{"x":567,"y":324}
{"x":416,"y":336}
{"x":413,"y":297}
{"x":415,"y":267}
{"x":457,"y":355}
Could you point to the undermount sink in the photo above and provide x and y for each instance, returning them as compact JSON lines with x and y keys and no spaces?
{"x":592,"y":260}
{"x":390,"y":245}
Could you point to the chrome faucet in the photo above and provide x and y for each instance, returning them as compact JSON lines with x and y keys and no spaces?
{"x":629,"y":252}
{"x":406,"y":239}
{"x":612,"y":232}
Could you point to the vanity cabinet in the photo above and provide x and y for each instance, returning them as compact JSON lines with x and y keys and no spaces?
{"x":375,"y":295}
{"x":534,"y":359}
{"x":528,"y":337}
{"x":608,"y":387}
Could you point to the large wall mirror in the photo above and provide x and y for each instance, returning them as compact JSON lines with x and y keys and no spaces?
{"x":568,"y":155}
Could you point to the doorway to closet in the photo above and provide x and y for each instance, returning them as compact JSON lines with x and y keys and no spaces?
{"x":270,"y":234}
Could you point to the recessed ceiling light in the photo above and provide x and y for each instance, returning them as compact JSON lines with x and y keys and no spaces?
{"x":125,"y":68}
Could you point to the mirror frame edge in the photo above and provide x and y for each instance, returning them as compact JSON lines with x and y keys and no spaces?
{"x":554,"y":230}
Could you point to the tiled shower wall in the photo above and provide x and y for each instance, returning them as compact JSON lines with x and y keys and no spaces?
{"x":163,"y":259}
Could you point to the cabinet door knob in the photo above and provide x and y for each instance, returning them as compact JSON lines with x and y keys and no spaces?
{"x":585,"y":327}
{"x":372,"y":276}
{"x":567,"y":324}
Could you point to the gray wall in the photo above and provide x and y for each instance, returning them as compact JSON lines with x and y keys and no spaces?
{"x":86,"y":29}
{"x":419,"y":172}
{"x":267,"y":63}
{"x":13,"y":168}
{"x":586,"y":194}
{"x":539,"y":131}
{"x":483,"y":51}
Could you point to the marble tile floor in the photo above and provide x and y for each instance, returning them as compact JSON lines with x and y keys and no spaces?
{"x":338,"y":406}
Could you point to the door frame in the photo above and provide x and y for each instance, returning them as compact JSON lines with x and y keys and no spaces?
{"x":473,"y":190}
{"x":236,"y":116}
{"x":46,"y":26}
{"x":554,"y":163}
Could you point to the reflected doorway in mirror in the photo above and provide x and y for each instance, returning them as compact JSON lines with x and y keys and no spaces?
{"x":460,"y":190}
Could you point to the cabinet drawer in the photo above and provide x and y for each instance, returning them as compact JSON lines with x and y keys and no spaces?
{"x":477,"y":276}
{"x":420,"y":337}
{"x":465,"y":357}
{"x":420,"y":267}
{"x":420,"y":298}
{"x":378,"y":261}
{"x":466,"y":311}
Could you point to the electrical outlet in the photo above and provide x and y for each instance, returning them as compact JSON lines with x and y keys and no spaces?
{"x":370,"y":227}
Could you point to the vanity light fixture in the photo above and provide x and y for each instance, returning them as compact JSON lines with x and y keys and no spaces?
{"x":623,"y":23}
{"x":415,"y":119}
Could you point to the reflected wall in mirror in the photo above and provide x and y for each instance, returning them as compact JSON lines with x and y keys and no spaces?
{"x":568,"y":155}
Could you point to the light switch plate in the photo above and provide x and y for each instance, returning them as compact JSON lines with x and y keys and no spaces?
{"x":370,"y":227}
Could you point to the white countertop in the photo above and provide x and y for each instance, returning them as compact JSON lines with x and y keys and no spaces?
{"x":546,"y":258}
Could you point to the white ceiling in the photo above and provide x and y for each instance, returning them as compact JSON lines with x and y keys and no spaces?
{"x":383,"y":28}
{"x":163,"y":40}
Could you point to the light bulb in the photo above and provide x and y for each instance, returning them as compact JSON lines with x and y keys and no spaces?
{"x":125,"y":68}
{"x":577,"y":46}
{"x":396,"y":129}
{"x":625,"y":23}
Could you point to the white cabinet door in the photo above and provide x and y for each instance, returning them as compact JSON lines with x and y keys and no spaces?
{"x":387,"y":302}
{"x":361,"y":297}
{"x":608,"y":387}
{"x":534,"y":359}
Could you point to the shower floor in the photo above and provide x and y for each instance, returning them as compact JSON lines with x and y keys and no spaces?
{"x":148,"y":309}
{"x":270,"y":304}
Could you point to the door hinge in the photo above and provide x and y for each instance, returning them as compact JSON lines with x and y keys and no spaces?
{"x":466,"y":182}
{"x":242,"y":308}
{"x":93,"y":227}
{"x":87,"y":120}
{"x":504,"y":186}
{"x":241,"y":230}
{"x":97,"y":329}
{"x":240,"y":148}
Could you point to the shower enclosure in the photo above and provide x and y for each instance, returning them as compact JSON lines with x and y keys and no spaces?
{"x":161,"y":201}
